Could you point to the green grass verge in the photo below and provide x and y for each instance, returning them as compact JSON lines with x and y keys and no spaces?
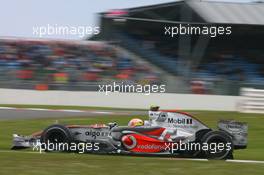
{"x":74,"y":164}
{"x":17,"y":162}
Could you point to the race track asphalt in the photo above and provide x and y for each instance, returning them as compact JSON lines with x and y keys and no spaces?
{"x":6,"y":114}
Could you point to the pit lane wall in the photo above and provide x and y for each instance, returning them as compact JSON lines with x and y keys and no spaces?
{"x":119,"y":100}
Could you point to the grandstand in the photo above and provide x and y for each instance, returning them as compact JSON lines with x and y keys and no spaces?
{"x":132,"y":47}
{"x":67,"y":65}
{"x":221,"y":64}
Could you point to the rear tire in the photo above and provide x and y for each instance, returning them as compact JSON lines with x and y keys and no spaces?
{"x":214,"y":138}
{"x":56,"y":138}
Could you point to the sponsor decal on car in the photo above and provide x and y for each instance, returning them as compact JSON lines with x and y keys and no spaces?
{"x":234,"y":127}
{"x":152,"y":146}
{"x":182,"y":121}
{"x":94,"y":133}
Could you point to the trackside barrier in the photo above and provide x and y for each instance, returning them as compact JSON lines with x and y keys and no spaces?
{"x":119,"y":100}
{"x":251,"y":100}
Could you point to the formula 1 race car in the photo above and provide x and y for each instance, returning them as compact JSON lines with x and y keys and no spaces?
{"x":166,"y":133}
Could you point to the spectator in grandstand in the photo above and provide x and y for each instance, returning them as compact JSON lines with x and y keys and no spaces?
{"x":48,"y":62}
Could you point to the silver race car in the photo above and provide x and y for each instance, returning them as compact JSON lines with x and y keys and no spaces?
{"x":166,"y":133}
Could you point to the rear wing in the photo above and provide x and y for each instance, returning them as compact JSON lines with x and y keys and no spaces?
{"x":238,"y":131}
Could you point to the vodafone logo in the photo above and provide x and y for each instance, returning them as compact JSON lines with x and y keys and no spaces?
{"x":129,"y":141}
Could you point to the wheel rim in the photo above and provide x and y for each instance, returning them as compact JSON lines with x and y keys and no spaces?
{"x":54,"y":138}
{"x":214,"y":152}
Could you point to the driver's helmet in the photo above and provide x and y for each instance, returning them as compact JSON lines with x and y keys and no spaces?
{"x":135,"y":122}
{"x":154,"y":108}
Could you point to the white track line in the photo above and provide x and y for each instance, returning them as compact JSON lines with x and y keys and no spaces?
{"x":7,"y":108}
{"x":101,"y":112}
{"x":246,"y":161}
{"x":69,"y":110}
{"x":232,"y":161}
{"x":34,"y":109}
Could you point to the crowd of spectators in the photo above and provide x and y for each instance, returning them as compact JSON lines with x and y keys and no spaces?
{"x":47,"y":62}
{"x":228,"y":68}
{"x":231,"y":67}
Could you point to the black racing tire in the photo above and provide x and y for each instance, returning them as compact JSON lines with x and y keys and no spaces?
{"x":56,"y":138}
{"x":199,"y":136}
{"x":217,"y":137}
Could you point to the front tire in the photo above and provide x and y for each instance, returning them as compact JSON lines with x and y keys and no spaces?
{"x":56,"y":138}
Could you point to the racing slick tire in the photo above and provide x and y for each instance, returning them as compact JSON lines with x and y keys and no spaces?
{"x":56,"y":138}
{"x":220,"y":145}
